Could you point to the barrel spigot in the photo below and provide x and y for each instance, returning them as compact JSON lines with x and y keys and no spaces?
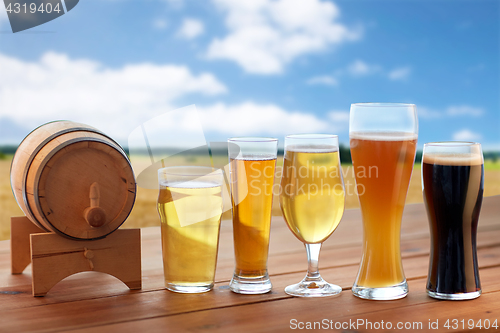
{"x":94,"y":215}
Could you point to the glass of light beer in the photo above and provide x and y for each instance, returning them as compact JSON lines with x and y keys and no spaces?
{"x":383,"y":140}
{"x":312,"y":199}
{"x":190,"y":208}
{"x":452,"y":184}
{"x":252,"y":163}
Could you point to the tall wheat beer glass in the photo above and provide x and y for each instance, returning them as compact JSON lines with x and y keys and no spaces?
{"x":190,"y":208}
{"x":252,"y":163}
{"x":383,"y":140}
{"x":452,"y":183}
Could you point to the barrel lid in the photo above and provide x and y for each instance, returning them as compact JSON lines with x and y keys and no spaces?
{"x":27,"y":151}
{"x":65,"y":188}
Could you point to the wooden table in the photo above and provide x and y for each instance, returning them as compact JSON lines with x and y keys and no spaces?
{"x":97,"y":302}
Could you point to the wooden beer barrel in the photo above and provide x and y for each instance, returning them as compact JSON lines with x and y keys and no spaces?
{"x":74,"y":180}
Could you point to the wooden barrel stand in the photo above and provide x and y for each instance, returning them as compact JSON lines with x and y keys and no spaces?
{"x":54,"y":258}
{"x":76,"y":187}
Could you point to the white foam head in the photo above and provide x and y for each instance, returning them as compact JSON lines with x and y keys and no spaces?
{"x":383,"y":136}
{"x":312,"y":148}
{"x":458,"y":159}
{"x":254,"y":157}
{"x":453,"y":153}
{"x":190,"y":184}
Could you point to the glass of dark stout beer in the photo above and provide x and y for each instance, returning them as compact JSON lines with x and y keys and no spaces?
{"x":452,"y":184}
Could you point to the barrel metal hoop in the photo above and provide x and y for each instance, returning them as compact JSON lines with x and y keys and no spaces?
{"x":42,"y":144}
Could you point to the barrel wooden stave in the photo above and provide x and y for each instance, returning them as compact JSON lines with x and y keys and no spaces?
{"x":25,"y":153}
{"x":58,"y":156}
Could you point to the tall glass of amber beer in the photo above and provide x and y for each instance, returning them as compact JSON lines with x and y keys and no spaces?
{"x":252,"y":163}
{"x":452,"y":184}
{"x":190,"y":208}
{"x":383,"y":140}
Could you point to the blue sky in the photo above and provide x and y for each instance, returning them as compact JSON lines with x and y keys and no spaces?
{"x":256,"y":67}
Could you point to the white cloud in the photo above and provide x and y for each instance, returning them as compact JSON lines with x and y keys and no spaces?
{"x":3,"y":15}
{"x":428,"y":113}
{"x":466,"y":135}
{"x":399,"y":74}
{"x":361,"y":68}
{"x":160,"y":24}
{"x":112,"y":99}
{"x":464,"y":110}
{"x":326,"y":80}
{"x":221,"y":120}
{"x":117,"y":100}
{"x":250,"y":118}
{"x":450,"y":112}
{"x":191,"y":28}
{"x":339,"y":116}
{"x":265,"y":35}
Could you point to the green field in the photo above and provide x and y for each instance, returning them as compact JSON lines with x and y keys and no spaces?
{"x":144,"y":212}
{"x":491,"y":166}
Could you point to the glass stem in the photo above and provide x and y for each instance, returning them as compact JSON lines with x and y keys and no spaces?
{"x":313,"y":262}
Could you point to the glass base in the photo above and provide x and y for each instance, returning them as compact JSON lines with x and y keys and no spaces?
{"x":454,"y":297}
{"x":313,"y":288}
{"x":187,"y":289}
{"x":383,"y":294}
{"x":250,"y":285}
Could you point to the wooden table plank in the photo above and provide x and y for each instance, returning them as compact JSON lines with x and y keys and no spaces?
{"x":278,"y":263}
{"x":284,"y":264}
{"x":92,"y":300}
{"x":276,"y":315}
{"x":133,"y":306}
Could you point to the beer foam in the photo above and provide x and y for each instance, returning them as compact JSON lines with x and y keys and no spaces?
{"x":255,"y":157}
{"x":188,"y":184}
{"x":383,"y":136}
{"x":312,"y":148}
{"x":458,"y":159}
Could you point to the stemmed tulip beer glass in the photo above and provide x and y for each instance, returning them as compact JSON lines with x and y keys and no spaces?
{"x":383,"y":140}
{"x":312,"y":200}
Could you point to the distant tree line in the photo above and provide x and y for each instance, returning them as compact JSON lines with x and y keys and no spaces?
{"x":6,"y":151}
{"x":492,"y":155}
{"x":345,"y":153}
